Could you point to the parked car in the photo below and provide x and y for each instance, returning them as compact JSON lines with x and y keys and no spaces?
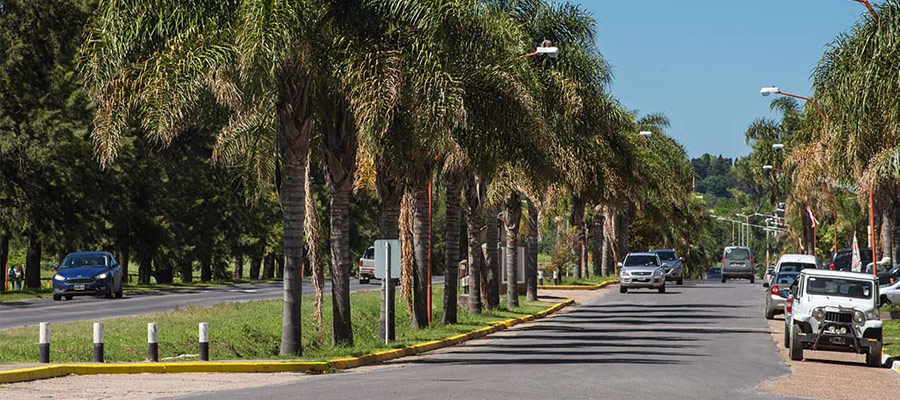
{"x":769,"y":274}
{"x":714,"y":273}
{"x":842,"y":259}
{"x":672,"y":265}
{"x":889,"y":277}
{"x":641,"y":270}
{"x":88,"y":273}
{"x":890,"y":293}
{"x":367,"y":266}
{"x":835,"y":311}
{"x":797,"y":263}
{"x":737,"y":262}
{"x":778,"y":292}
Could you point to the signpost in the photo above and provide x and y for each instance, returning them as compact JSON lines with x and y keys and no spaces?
{"x":387,"y":268}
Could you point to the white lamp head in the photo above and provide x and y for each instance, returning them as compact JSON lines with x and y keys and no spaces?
{"x":778,"y":146}
{"x":769,"y":90}
{"x":551,"y":52}
{"x":767,"y":167}
{"x":646,"y":134}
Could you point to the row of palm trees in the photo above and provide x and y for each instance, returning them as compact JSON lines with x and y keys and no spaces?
{"x":855,"y":142}
{"x":390,"y":94}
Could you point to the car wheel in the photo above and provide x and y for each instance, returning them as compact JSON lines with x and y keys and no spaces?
{"x":662,"y":289}
{"x":363,"y":281}
{"x":723,"y":278}
{"x":680,"y":281}
{"x":69,"y":297}
{"x":752,"y":279}
{"x":796,"y":346}
{"x":623,"y":289}
{"x":873,"y":357}
{"x":787,"y":336}
{"x":110,"y":293}
{"x":57,"y":297}
{"x":885,"y":301}
{"x":120,"y":292}
{"x":770,"y":313}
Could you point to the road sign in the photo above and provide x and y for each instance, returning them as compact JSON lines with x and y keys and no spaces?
{"x":387,"y":251}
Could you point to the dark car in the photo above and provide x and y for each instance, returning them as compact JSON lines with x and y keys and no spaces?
{"x":714,"y":273}
{"x":842,"y":259}
{"x":672,"y":264}
{"x":88,"y":273}
{"x":888,"y":277}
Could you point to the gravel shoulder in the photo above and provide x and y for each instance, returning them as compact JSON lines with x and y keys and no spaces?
{"x":828,"y":375}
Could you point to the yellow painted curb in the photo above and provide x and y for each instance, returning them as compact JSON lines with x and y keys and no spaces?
{"x":600,"y":285}
{"x":53,"y":371}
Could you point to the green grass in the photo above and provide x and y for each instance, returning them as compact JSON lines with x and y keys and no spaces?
{"x":130,"y":288}
{"x":28,"y":294}
{"x":249,"y":330}
{"x":589,"y":281}
{"x":891,"y":334}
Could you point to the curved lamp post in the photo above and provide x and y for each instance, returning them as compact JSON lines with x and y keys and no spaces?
{"x":766,"y":91}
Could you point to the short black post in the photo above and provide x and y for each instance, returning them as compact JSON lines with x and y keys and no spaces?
{"x":45,"y":343}
{"x":204,"y":341}
{"x":98,"y":342}
{"x":152,"y":342}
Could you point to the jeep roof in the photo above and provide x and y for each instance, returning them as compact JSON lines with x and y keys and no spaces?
{"x":838,"y":274}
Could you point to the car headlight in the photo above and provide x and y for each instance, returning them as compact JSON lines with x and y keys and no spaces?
{"x":101,"y":276}
{"x":625,"y":273}
{"x":59,"y":277}
{"x":819,"y":314}
{"x":859,"y":317}
{"x":658,"y":272}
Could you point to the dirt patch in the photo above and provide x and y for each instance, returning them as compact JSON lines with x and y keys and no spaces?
{"x":828,"y":375}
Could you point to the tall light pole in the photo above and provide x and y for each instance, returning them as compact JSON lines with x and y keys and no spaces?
{"x":745,"y":239}
{"x":869,"y":7}
{"x":766,"y":91}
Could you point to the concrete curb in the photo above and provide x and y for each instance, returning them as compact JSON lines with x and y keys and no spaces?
{"x":53,"y":371}
{"x":578,"y":287}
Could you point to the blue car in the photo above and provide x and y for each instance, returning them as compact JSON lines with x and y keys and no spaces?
{"x":88,"y":273}
{"x":714,"y":273}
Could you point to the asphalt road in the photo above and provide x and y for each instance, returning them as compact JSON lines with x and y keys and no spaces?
{"x":32,"y":312}
{"x":703,"y":340}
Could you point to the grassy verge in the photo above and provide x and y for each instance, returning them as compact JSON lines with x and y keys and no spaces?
{"x":589,"y":281}
{"x":892,"y":338}
{"x":249,"y":331}
{"x":27,"y":294}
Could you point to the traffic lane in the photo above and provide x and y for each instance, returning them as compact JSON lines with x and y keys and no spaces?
{"x":17,"y":314}
{"x":837,"y":375}
{"x":698,"y":341}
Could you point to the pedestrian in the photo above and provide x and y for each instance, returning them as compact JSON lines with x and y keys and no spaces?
{"x":20,"y":277}
{"x":11,"y":276}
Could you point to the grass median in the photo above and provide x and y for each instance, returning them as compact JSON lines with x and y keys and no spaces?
{"x":244,"y":331}
{"x":891,"y":332}
{"x":588,"y":281}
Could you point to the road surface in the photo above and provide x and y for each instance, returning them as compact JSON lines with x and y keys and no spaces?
{"x":32,"y":312}
{"x":703,"y":340}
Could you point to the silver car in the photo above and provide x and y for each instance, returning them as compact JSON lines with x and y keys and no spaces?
{"x":737,"y":262}
{"x":777,"y":293}
{"x":641,"y":270}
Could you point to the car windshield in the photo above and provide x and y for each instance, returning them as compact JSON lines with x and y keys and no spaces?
{"x":640,"y":261}
{"x":737,"y":254}
{"x":85,"y":260}
{"x":839,"y":287}
{"x":370,"y":253}
{"x":795,"y":266}
{"x":666,"y":255}
{"x":785,"y":279}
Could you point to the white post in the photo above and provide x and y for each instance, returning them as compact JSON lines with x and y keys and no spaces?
{"x":152,"y":342}
{"x":44,"y":342}
{"x":204,"y":341}
{"x":98,"y":342}
{"x":388,"y":322}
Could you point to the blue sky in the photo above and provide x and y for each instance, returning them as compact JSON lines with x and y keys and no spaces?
{"x":702,"y":62}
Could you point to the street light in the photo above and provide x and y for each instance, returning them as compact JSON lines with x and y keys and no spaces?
{"x":646,"y":134}
{"x":869,"y":6}
{"x":778,"y":146}
{"x":546,"y":49}
{"x":766,"y":91}
{"x":768,"y":167}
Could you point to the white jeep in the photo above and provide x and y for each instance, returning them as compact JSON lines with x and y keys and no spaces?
{"x":834,"y":311}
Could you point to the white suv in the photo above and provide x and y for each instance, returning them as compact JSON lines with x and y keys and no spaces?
{"x":834,"y":311}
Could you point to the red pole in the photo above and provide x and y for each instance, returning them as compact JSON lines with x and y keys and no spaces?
{"x":872,"y":234}
{"x":430,"y":183}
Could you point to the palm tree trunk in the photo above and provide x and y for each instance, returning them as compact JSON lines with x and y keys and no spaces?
{"x":187,"y":270}
{"x":390,"y":190}
{"x":339,"y":161}
{"x":511,"y":220}
{"x":255,"y":266}
{"x":238,"y":267}
{"x":4,"y":259}
{"x":475,"y":192}
{"x":492,"y":259}
{"x":269,"y":269}
{"x":531,"y":267}
{"x":145,"y":267}
{"x":421,"y":252}
{"x":33,"y":263}
{"x":577,"y":220}
{"x":293,"y":133}
{"x":597,"y":244}
{"x":608,"y":262}
{"x":205,"y":266}
{"x":887,"y":242}
{"x":453,"y":184}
